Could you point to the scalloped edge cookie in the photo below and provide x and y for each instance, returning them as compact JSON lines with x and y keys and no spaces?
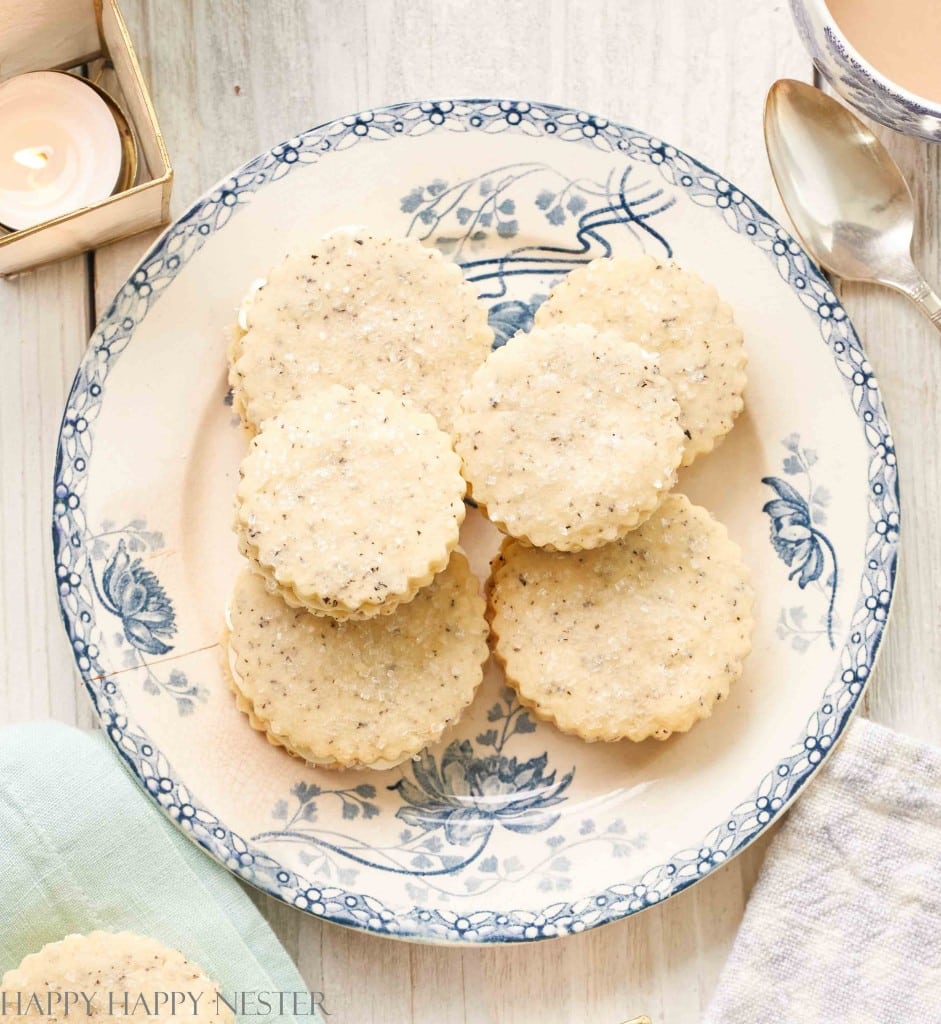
{"x":636,"y":639}
{"x":568,"y":437}
{"x":674,"y":313}
{"x":386,"y":312}
{"x":438,"y":647}
{"x":349,"y":502}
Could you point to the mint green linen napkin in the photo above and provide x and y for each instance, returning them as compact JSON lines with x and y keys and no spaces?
{"x":82,"y":847}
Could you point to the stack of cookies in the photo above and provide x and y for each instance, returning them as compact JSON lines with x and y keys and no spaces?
{"x":356,"y":635}
{"x":618,"y":610}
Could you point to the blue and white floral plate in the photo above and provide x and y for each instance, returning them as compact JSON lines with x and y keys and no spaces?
{"x":507,"y":830}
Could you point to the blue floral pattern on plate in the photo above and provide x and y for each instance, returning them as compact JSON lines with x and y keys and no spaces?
{"x":450,"y":808}
{"x":796,"y":521}
{"x":512,"y":316}
{"x":132,"y":593}
{"x":470,"y":793}
{"x":460,"y":217}
{"x":439,"y":788}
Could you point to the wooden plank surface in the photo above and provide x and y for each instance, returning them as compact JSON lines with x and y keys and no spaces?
{"x":231,"y":78}
{"x":45,"y":319}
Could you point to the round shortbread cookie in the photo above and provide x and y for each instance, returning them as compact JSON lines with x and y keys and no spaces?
{"x":568,"y":437}
{"x":674,"y":313}
{"x":349,"y":502}
{"x":634,"y":639}
{"x":357,"y":694}
{"x":102,"y":972}
{"x":386,"y":312}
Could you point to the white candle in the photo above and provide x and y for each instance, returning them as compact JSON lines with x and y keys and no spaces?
{"x":60,"y":148}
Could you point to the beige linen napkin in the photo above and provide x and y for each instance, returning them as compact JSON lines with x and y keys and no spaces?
{"x":844,"y":924}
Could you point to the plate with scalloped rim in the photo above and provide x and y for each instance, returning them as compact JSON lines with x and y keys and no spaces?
{"x":506,"y":830}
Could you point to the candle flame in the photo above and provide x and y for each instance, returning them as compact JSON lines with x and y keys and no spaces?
{"x":34,"y":157}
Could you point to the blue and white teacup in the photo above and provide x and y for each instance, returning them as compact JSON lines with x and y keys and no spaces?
{"x":857,"y":81}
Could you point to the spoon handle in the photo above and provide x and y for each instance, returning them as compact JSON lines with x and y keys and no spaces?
{"x":927,"y":300}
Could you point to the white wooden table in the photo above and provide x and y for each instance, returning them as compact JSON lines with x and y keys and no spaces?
{"x":230,"y":78}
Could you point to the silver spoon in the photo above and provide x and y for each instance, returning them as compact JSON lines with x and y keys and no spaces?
{"x":846,"y":196}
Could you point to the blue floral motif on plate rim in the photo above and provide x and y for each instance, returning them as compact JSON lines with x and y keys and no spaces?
{"x":864,"y":631}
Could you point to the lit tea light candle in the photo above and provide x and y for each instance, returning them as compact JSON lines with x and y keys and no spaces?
{"x":63,"y":146}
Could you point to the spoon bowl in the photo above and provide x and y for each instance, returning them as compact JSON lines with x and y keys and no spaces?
{"x":844,"y":193}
